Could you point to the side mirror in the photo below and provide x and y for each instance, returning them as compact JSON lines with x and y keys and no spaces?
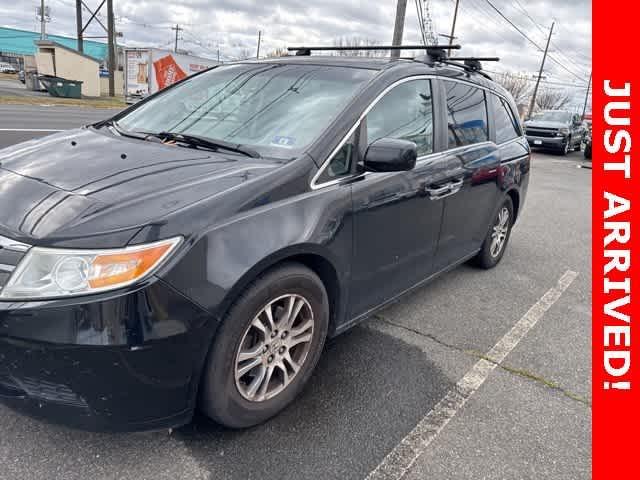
{"x":390,"y":155}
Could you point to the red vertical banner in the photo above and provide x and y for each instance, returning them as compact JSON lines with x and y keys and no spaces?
{"x":616,"y":241}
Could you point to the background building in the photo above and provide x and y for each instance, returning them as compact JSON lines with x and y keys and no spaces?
{"x":15,"y":43}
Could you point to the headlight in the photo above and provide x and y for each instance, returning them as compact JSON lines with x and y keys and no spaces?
{"x":562,"y":132}
{"x":46,"y":273}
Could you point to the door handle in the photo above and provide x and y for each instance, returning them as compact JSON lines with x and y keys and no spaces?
{"x":445,"y":190}
{"x":436,"y":192}
{"x":455,"y":186}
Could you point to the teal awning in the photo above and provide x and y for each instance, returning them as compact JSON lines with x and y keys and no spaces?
{"x":22,"y":42}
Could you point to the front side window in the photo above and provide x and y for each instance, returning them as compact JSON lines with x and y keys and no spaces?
{"x":505,"y":124}
{"x":276,"y":109}
{"x":341,"y":163}
{"x":406,"y":112}
{"x":466,"y":114}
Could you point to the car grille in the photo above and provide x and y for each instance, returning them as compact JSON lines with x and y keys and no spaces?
{"x":11,"y":252}
{"x":541,"y":132}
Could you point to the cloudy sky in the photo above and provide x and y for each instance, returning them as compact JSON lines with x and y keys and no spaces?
{"x":232,"y":25}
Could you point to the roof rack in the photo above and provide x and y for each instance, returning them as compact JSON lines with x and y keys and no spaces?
{"x":306,"y":51}
{"x":434,"y":54}
{"x":471,"y":64}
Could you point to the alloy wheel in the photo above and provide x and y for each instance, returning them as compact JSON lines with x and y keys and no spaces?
{"x":499,"y":233}
{"x":274,"y":348}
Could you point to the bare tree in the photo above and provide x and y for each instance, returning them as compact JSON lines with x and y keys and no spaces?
{"x":551,"y":99}
{"x":357,"y":42}
{"x":517,"y":85}
{"x":245,"y":54}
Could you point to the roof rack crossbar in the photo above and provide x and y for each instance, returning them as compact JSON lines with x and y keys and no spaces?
{"x":478,"y":59}
{"x":469,"y":65}
{"x":372,"y":47}
{"x":434,"y":54}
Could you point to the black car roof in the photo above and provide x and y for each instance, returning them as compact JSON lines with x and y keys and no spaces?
{"x":371,"y":63}
{"x":386,"y":63}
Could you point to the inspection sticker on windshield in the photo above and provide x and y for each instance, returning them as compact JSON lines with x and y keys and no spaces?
{"x":283,"y":141}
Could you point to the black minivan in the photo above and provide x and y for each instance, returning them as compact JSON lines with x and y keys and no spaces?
{"x":196,"y":250}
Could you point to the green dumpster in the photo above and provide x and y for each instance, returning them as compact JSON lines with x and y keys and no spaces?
{"x":62,"y":87}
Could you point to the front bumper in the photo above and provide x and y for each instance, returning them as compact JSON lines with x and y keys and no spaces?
{"x":128,"y":362}
{"x":555,"y":143}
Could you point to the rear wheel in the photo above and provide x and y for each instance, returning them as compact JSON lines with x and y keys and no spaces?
{"x":497,"y":238}
{"x":577,"y":147}
{"x":266,"y":348}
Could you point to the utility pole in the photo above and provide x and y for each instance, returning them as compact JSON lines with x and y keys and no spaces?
{"x":111,"y":35}
{"x":544,"y":57}
{"x":79,"y":25}
{"x":43,"y":21}
{"x":586,"y":97}
{"x":398,"y":29}
{"x":178,"y":29}
{"x":259,"y":40}
{"x":453,"y":24}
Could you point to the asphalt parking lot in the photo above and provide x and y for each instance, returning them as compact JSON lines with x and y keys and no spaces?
{"x":440,"y":385}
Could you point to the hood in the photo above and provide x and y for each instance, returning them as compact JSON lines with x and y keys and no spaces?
{"x":545,"y":124}
{"x":87,"y":182}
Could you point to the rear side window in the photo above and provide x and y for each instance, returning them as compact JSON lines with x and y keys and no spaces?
{"x":466,"y":114}
{"x":506,"y":125}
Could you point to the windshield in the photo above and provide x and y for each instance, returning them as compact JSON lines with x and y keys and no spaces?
{"x":277,"y":109}
{"x":553,"y":116}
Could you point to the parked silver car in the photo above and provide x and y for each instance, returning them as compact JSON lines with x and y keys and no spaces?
{"x":7,"y":68}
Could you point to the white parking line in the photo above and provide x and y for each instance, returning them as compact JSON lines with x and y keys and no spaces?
{"x":28,"y":130}
{"x":398,"y":462}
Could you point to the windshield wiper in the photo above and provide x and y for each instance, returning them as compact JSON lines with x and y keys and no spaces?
{"x":119,"y":130}
{"x":209,"y":143}
{"x":194,"y":140}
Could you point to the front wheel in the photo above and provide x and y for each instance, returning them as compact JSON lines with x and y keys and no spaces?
{"x":497,"y":238}
{"x":266,"y":348}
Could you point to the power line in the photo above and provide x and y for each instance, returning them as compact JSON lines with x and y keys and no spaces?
{"x":524,"y":10}
{"x":559,"y":51}
{"x":545,"y":82}
{"x":531,"y":41}
{"x":421,"y":22}
{"x":477,"y":8}
{"x":513,"y":25}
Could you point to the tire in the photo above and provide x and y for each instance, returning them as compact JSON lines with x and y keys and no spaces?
{"x":578,"y":146}
{"x":566,"y":148}
{"x":488,"y":257}
{"x":227,"y":399}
